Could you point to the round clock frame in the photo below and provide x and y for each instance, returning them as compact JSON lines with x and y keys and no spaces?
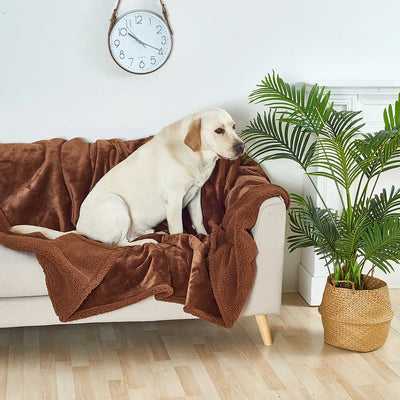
{"x":125,"y":30}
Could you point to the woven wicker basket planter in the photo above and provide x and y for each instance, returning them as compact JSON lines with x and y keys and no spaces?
{"x":356,"y":320}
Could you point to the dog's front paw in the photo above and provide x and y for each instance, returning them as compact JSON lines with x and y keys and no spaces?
{"x":201,"y":230}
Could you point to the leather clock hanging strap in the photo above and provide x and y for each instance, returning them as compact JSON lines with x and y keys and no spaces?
{"x":165,"y":13}
{"x":114,"y":16}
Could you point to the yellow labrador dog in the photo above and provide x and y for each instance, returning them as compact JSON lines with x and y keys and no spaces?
{"x":155,"y":182}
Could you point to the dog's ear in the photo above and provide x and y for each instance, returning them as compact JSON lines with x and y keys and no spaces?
{"x":193,"y":137}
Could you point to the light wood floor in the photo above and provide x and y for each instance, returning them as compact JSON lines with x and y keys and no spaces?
{"x":196,"y":360}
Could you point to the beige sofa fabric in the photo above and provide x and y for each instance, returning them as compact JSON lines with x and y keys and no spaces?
{"x":24,"y":300}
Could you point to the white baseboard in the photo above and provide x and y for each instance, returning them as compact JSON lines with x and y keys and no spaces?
{"x":311,"y":287}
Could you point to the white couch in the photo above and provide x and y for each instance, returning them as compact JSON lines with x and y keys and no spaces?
{"x":24,"y":300}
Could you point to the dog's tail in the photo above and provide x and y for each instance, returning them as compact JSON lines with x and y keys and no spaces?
{"x":49,"y":233}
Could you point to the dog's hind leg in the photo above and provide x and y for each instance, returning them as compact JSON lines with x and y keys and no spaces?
{"x":105,"y":218}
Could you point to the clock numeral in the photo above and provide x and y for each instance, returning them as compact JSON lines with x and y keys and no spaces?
{"x":121,"y":55}
{"x":149,"y":21}
{"x":138,"y":19}
{"x":163,"y":40}
{"x":142,"y":64}
{"x":128,"y":23}
{"x":116,"y":42}
{"x":131,"y":58}
{"x":153,"y":60}
{"x":160,"y":52}
{"x":122,"y":31}
{"x":159,"y":27}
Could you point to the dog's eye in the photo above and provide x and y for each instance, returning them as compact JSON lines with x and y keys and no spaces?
{"x":234,"y":126}
{"x":220,"y":131}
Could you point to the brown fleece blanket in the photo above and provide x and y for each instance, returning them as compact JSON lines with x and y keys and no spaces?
{"x":44,"y":184}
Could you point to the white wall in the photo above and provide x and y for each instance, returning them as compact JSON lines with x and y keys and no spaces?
{"x":58,"y":80}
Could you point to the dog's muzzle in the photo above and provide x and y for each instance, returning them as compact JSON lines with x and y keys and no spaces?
{"x":238,"y":148}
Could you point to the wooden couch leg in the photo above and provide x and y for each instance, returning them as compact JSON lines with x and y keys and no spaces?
{"x":262,"y":322}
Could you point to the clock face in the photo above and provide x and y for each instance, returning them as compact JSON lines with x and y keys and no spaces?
{"x":140,"y":42}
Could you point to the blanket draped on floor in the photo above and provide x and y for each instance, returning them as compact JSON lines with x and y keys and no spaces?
{"x":44,"y":183}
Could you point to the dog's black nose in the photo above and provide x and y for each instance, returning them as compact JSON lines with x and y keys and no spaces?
{"x":239,"y":148}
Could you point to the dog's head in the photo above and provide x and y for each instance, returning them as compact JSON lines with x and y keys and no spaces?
{"x":213,"y":130}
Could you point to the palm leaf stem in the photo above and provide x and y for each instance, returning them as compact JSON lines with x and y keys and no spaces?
{"x":370,"y":270}
{"x":373,"y":187}
{"x":364,"y":199}
{"x":361,"y":199}
{"x":323,"y":121}
{"x":333,"y":174}
{"x":332,"y":171}
{"x":322,"y":199}
{"x":327,"y":266}
{"x":331,"y":168}
{"x":356,"y":199}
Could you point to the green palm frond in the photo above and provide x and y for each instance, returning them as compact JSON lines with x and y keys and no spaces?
{"x":310,"y":112}
{"x":381,"y":243}
{"x":311,"y":224}
{"x":384,"y":205}
{"x":270,"y":139}
{"x":343,"y":122}
{"x":338,"y":159}
{"x":391,"y":116}
{"x":303,"y":234}
{"x":303,"y":127}
{"x":379,"y":152}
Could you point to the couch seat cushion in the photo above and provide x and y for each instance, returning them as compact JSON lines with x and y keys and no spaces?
{"x":20,"y":274}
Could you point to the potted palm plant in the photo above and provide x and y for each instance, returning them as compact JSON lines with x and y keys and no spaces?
{"x":364,"y":233}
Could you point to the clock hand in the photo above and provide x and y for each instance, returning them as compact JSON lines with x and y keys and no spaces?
{"x":151,"y":46}
{"x":130,"y":33}
{"x":139,"y":41}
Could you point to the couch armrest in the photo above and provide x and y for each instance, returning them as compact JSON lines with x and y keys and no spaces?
{"x":269,"y":235}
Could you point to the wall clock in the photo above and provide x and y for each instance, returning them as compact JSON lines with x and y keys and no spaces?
{"x":140,"y":41}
